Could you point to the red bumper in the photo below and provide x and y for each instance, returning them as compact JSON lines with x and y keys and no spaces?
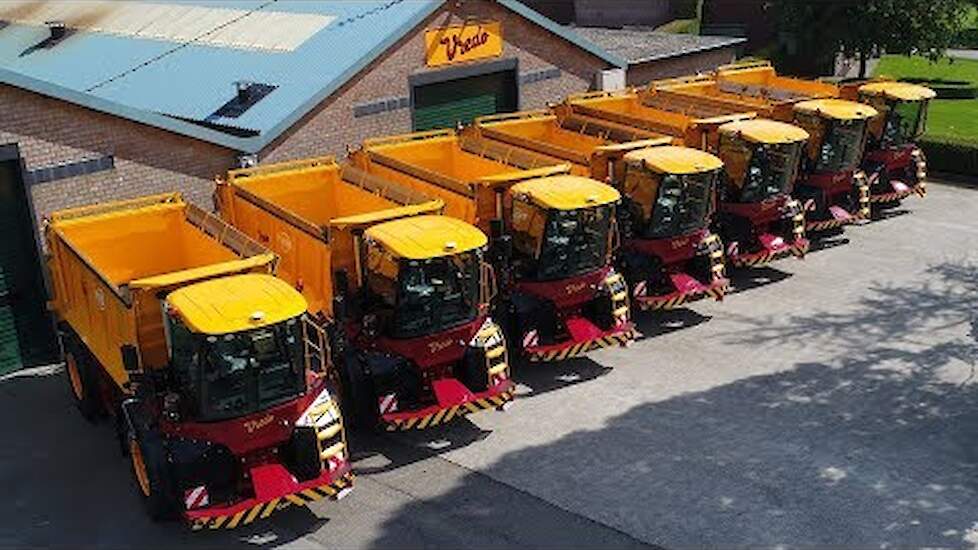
{"x":900,"y":192}
{"x":690,"y":291}
{"x":771,"y":250}
{"x":618,"y":336}
{"x":840,"y":217}
{"x":275,"y":489}
{"x":454,"y":401}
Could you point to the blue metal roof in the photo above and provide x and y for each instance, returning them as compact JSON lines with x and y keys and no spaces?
{"x":181,"y":86}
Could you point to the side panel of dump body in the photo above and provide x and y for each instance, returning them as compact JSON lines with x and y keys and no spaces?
{"x":290,"y":207}
{"x":762,"y":79}
{"x":108,"y":262}
{"x":463,"y":173}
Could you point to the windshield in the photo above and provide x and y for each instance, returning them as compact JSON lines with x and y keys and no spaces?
{"x":683,"y":204}
{"x":771,"y":171}
{"x":232,"y":375}
{"x":841,"y":146}
{"x":574,"y":242}
{"x":905,"y":121}
{"x":437,"y":294}
{"x":556,"y":244}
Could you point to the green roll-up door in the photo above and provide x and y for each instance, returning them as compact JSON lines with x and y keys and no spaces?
{"x":446,"y":104}
{"x":25,"y":327}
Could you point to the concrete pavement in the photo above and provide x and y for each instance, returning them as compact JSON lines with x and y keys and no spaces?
{"x":830,"y":401}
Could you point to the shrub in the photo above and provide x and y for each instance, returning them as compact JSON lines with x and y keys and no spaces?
{"x":952,"y":156}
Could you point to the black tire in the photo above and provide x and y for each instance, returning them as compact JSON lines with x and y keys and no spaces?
{"x":473,"y":372}
{"x":82,"y":380}
{"x":151,"y":475}
{"x":359,"y":400}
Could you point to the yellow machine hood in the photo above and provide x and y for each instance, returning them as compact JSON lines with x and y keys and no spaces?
{"x":424,"y":237}
{"x":566,"y":192}
{"x":236,"y":303}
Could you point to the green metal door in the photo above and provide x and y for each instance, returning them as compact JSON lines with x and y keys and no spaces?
{"x":446,"y":104}
{"x":26,"y":335}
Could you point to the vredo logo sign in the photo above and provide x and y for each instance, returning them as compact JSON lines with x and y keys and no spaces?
{"x":468,"y":42}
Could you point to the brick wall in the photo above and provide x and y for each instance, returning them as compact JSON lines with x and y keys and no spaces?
{"x":690,"y":64}
{"x":147,"y":160}
{"x":331,"y":127}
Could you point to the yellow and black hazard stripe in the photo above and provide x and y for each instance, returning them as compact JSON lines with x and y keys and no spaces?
{"x":445,"y":415}
{"x":670,"y":303}
{"x":827,"y":224}
{"x":753,"y":260}
{"x":580,"y":348}
{"x":920,"y":189}
{"x":265,"y":509}
{"x":890,"y":197}
{"x":717,"y":293}
{"x":800,"y":248}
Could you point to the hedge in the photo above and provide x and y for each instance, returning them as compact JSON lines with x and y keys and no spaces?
{"x":952,"y":156}
{"x":947,"y":89}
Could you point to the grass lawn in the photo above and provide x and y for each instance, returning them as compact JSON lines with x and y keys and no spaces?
{"x":949,"y":118}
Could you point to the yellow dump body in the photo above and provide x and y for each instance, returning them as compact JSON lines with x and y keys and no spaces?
{"x":579,"y":142}
{"x":462,"y":172}
{"x":695,"y":129}
{"x":305,"y":211}
{"x":704,"y":97}
{"x":761,"y":79}
{"x":110,"y":262}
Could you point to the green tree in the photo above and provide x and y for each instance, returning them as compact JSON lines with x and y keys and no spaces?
{"x":864,"y":28}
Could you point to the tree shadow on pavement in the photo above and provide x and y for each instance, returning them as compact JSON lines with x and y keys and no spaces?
{"x":872,"y":446}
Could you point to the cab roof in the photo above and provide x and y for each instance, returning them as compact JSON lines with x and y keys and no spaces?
{"x":566,"y":192}
{"x":760,"y":130}
{"x":839,"y":109}
{"x":236,"y":303}
{"x":899,"y":91}
{"x":673,"y":159}
{"x":425,"y":237}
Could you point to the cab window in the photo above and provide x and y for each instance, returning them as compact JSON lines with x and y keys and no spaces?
{"x":528,"y":226}
{"x":735,"y":154}
{"x":641,"y":189}
{"x":381,"y":274}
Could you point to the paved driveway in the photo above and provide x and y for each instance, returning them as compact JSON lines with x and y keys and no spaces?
{"x":830,"y":401}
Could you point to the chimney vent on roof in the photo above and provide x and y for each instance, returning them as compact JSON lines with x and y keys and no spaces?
{"x":244,"y":90}
{"x":57,"y":29}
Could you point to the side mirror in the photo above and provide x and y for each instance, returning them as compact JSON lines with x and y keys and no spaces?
{"x":130,"y":358}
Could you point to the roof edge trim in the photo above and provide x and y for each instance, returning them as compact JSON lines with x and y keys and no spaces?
{"x":567,"y":34}
{"x":150,"y":118}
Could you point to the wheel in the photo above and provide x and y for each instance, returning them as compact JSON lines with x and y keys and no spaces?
{"x":82,"y":381}
{"x":152,"y":476}
{"x":473,"y":372}
{"x":358,"y":397}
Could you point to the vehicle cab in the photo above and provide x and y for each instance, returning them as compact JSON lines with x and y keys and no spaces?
{"x":895,"y":164}
{"x":670,"y":196}
{"x":247,"y":415}
{"x":833,"y":188}
{"x":758,"y":218}
{"x":422,"y":327}
{"x":564,"y":233}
